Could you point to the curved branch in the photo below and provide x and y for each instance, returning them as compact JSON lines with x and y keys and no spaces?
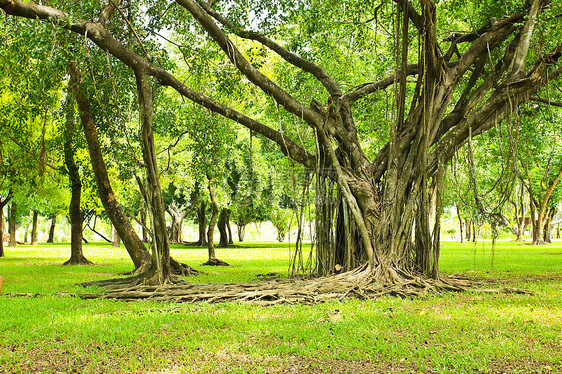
{"x":308,"y":66}
{"x":103,"y":39}
{"x":546,"y":101}
{"x":369,"y":88}
{"x":108,"y":11}
{"x":247,"y":69}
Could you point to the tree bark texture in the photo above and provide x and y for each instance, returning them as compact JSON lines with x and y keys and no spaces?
{"x":212,"y":222}
{"x":34,"y":227}
{"x":12,"y":224}
{"x":135,"y":247}
{"x":161,"y":267}
{"x":74,"y":209}
{"x":221,"y":225}
{"x":202,"y":222}
{"x":51,"y":237}
{"x":177,"y":223}
{"x":115,"y":238}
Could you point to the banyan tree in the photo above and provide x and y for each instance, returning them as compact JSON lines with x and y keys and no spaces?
{"x":380,"y":213}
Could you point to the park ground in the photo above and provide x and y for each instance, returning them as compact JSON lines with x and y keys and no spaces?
{"x":470,"y":332}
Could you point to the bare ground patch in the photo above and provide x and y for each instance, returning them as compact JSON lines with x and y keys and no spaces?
{"x":97,"y":359}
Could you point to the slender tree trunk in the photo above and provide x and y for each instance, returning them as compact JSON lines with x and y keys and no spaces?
{"x":461,"y":223}
{"x":135,"y":247}
{"x":537,"y":219}
{"x":223,"y":242}
{"x":51,"y":238}
{"x":213,"y":260}
{"x":2,"y":225}
{"x":241,"y":231}
{"x":202,"y":220}
{"x":34,"y":226}
{"x":520,"y":204}
{"x":144,"y":223}
{"x":467,"y":226}
{"x":212,"y":222}
{"x":548,"y":225}
{"x":229,"y":229}
{"x":74,"y":212}
{"x":12,"y":224}
{"x":26,"y":229}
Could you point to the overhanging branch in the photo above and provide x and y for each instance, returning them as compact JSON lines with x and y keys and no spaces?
{"x":310,"y":67}
{"x":546,"y":101}
{"x":103,"y":39}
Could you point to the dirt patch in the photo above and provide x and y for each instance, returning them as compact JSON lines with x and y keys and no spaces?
{"x":100,"y":359}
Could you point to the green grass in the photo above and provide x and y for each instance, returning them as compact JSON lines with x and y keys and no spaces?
{"x":453,"y":333}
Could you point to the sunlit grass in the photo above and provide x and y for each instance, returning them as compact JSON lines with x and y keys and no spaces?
{"x":454,"y":333}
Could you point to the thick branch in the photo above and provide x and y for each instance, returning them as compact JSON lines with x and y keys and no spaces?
{"x":369,"y":88}
{"x":247,"y":69}
{"x":310,"y":67}
{"x":101,"y":37}
{"x":108,"y":11}
{"x":546,"y":101}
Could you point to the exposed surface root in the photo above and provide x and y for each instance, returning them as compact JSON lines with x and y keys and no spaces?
{"x":215,"y":262}
{"x":78,"y":261}
{"x":355,"y":284}
{"x":179,"y":268}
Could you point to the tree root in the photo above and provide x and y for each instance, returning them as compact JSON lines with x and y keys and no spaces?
{"x":179,"y":268}
{"x":215,"y":262}
{"x":78,"y":261}
{"x":358,"y":284}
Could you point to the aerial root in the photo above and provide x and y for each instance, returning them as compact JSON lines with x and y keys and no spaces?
{"x":359,"y":284}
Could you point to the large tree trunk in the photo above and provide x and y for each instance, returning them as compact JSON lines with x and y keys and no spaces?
{"x":74,"y":209}
{"x":161,"y":270}
{"x":135,"y":247}
{"x":12,"y":224}
{"x":34,"y":227}
{"x":386,"y":201}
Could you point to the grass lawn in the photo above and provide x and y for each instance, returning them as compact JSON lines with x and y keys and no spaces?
{"x":453,"y":333}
